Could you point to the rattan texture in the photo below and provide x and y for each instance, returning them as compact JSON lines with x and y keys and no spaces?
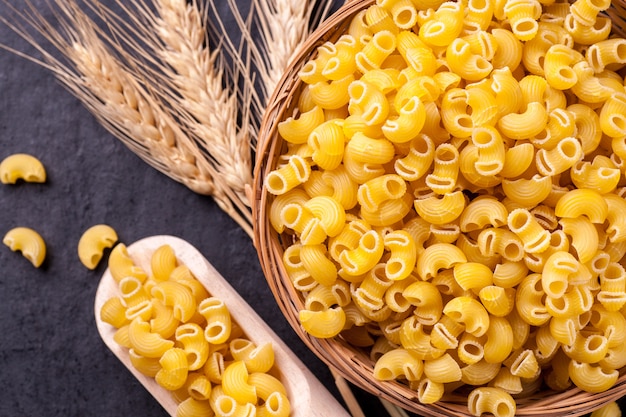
{"x":351,"y":362}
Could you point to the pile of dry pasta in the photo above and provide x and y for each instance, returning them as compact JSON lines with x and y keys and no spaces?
{"x":184,"y":338}
{"x":453,"y":185}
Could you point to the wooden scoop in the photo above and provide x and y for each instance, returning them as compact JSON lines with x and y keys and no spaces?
{"x":308,"y":397}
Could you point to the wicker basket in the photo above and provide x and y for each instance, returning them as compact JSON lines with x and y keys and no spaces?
{"x":351,"y":362}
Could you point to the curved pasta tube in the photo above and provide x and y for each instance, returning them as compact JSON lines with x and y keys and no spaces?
{"x":301,"y":220}
{"x":559,"y":60}
{"x":427,"y":299}
{"x":499,"y":344}
{"x":410,"y":120}
{"x":613,"y":115}
{"x":332,"y":94}
{"x":529,"y":302}
{"x":361,"y":259}
{"x":370,"y":150}
{"x":92,"y":243}
{"x":174,"y":369}
{"x":121,"y":265}
{"x":219,"y":323}
{"x":190,"y":407}
{"x":592,"y":377}
{"x":443,"y":179}
{"x":469,"y":312}
{"x":113,"y":311}
{"x":437,"y":257}
{"x":177,"y":296}
{"x":498,"y":301}
{"x":509,"y":52}
{"x":399,"y":362}
{"x":559,"y":159}
{"x":461,"y":60}
{"x":257,"y":358}
{"x":595,"y":175}
{"x":586,"y":11}
{"x":323,"y":324}
{"x":163,"y":262}
{"x":146,"y":343}
{"x":616,"y":230}
{"x":606,"y":52}
{"x":235,"y":383}
{"x":28,"y":242}
{"x":443,"y":369}
{"x":472,"y":275}
{"x":374,"y":52}
{"x":368,"y":102}
{"x":297,"y":130}
{"x":584,"y":237}
{"x":21,"y":166}
{"x":446,"y":25}
{"x":528,"y":192}
{"x":418,"y":159}
{"x":526,"y":124}
{"x":523,"y":17}
{"x":330,"y":212}
{"x":480,"y":372}
{"x":327,"y":142}
{"x":276,"y":405}
{"x":590,"y":88}
{"x":491,"y":400}
{"x":283,"y":179}
{"x":482,"y":212}
{"x":372,"y":194}
{"x":536,"y":239}
{"x":494,"y":241}
{"x":191,"y":336}
{"x":442,"y":209}
{"x":403,"y":257}
{"x":582,"y":202}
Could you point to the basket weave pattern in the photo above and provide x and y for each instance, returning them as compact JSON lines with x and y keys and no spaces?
{"x":351,"y":362}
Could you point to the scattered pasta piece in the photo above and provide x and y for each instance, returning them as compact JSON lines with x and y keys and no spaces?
{"x":21,"y":166}
{"x":92,"y":243}
{"x":28,"y":242}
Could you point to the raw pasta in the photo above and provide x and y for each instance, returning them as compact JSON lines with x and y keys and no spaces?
{"x":479,"y":183}
{"x":184,"y":338}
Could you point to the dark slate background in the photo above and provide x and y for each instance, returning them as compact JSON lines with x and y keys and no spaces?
{"x":52,"y":360}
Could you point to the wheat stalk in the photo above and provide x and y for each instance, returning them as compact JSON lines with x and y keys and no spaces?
{"x":123,"y":102}
{"x":181,"y":64}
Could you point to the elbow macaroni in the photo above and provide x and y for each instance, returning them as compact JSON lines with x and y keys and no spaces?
{"x":470,"y":196}
{"x":205,"y":360}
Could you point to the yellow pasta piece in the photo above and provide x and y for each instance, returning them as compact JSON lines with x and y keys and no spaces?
{"x":470,"y":312}
{"x":146,"y":343}
{"x":28,"y":242}
{"x":491,"y":400}
{"x":219,"y":324}
{"x":296,"y":172}
{"x":22,"y":166}
{"x":121,"y":265}
{"x":92,"y":243}
{"x":442,"y":209}
{"x":437,"y":257}
{"x":591,"y":377}
{"x":235,"y":383}
{"x":397,"y":363}
{"x":323,"y":324}
{"x":582,"y":202}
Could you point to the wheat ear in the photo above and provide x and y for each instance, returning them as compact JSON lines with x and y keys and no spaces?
{"x":125,"y":106}
{"x":188,"y":71}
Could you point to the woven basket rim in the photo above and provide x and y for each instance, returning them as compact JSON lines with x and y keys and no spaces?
{"x":346,"y":360}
